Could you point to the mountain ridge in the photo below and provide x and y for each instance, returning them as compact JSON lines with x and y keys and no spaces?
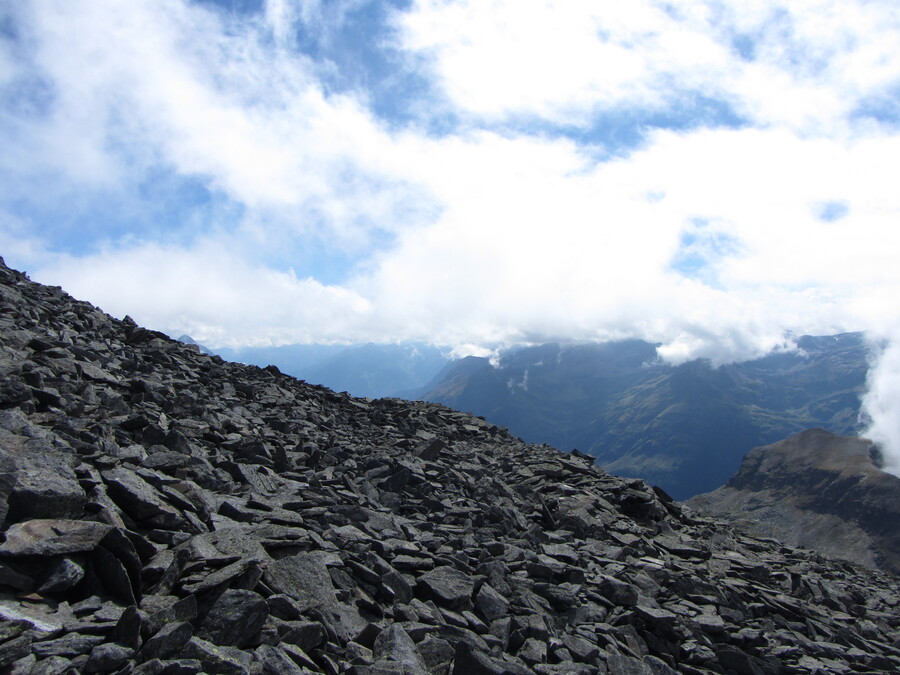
{"x":683,"y":427}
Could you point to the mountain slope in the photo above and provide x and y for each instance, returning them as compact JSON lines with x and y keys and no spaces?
{"x":817,"y":490}
{"x":684,"y":427}
{"x":165,"y":511}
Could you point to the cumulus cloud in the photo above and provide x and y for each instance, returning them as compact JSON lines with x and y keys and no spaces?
{"x":881,"y":413}
{"x":145,"y":85}
{"x":212,"y":293}
{"x":805,"y":65}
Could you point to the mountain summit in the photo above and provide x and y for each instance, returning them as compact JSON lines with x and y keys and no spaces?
{"x":165,"y":511}
{"x":817,"y":490}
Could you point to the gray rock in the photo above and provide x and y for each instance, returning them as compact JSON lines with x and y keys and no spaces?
{"x":303,"y":577}
{"x":469,"y":661}
{"x":217,"y":659}
{"x":45,"y":482}
{"x":169,"y":641}
{"x":62,"y":575}
{"x":13,"y":392}
{"x":107,"y":657}
{"x":127,"y":631}
{"x":235,"y":618}
{"x":394,"y":645}
{"x":273,"y":661}
{"x":69,"y":645}
{"x":448,"y":587}
{"x":139,"y":500}
{"x":175,"y":611}
{"x":627,"y":665}
{"x":490,"y":603}
{"x":51,"y":537}
{"x":7,"y":482}
{"x":54,"y":665}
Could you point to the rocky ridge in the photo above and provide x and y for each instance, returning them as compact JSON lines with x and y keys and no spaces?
{"x":817,"y":490}
{"x":168,"y":512}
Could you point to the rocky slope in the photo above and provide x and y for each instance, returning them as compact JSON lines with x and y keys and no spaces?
{"x":816,"y":490}
{"x":685,"y":428}
{"x":168,"y":512}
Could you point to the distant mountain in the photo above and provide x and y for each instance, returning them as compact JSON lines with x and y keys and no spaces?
{"x":370,"y":370}
{"x":379,"y":370}
{"x":684,"y":427}
{"x":290,"y":359}
{"x":188,"y":340}
{"x":816,"y":490}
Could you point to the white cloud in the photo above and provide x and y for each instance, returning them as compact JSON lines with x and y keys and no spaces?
{"x":880,"y":404}
{"x":807,"y":66}
{"x":538,"y":239}
{"x":212,"y":293}
{"x":144,"y":84}
{"x":503,"y":237}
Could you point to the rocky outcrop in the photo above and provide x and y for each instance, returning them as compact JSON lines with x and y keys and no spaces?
{"x":169,"y":512}
{"x":816,"y":490}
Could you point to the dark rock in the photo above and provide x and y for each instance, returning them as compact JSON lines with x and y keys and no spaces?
{"x":107,"y":657}
{"x":139,"y":500}
{"x":68,"y":646}
{"x":51,"y":537}
{"x":174,"y":611}
{"x":435,"y":651}
{"x":235,"y":619}
{"x":13,"y":392}
{"x":304,"y":578}
{"x":448,"y":587}
{"x":169,"y":641}
{"x":62,"y":575}
{"x":627,"y":665}
{"x":7,"y":482}
{"x":54,"y":665}
{"x":13,"y":579}
{"x":45,"y":482}
{"x":490,"y":603}
{"x":469,"y":661}
{"x":113,"y":576}
{"x":273,"y":661}
{"x":218,"y":659}
{"x":395,"y":646}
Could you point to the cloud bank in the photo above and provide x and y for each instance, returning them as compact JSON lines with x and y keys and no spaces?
{"x":712,"y":176}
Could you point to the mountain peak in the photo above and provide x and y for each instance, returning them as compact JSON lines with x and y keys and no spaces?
{"x":819,"y":490}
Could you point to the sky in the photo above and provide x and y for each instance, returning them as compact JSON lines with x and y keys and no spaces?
{"x":712,"y":175}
